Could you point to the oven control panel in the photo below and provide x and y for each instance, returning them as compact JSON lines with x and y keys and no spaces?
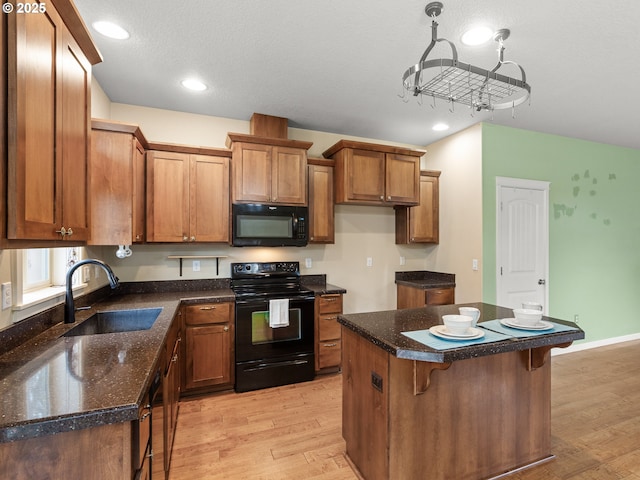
{"x":258,"y":269}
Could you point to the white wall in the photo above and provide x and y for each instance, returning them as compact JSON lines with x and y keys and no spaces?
{"x":459,"y":157}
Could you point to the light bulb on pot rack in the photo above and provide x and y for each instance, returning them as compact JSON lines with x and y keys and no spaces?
{"x":457,"y":82}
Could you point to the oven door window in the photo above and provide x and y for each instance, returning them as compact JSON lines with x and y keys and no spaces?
{"x":262,"y":333}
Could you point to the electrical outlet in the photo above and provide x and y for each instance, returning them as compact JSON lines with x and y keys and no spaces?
{"x":474,"y":264}
{"x":196,"y":265}
{"x":576,"y":318}
{"x":6,"y":296}
{"x":402,"y":260}
{"x":308,"y":262}
{"x":369,"y":262}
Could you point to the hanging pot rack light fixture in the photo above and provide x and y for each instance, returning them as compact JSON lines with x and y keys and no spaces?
{"x":457,"y":82}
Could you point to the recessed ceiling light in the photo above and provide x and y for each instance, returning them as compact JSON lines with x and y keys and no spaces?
{"x":111,"y":30}
{"x":440,"y":127}
{"x":477,"y":36}
{"x":193,"y":84}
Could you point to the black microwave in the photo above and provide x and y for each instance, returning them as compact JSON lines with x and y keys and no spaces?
{"x":260,"y":225}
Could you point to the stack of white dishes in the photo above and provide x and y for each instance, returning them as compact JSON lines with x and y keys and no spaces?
{"x":457,"y":327}
{"x":527,"y":319}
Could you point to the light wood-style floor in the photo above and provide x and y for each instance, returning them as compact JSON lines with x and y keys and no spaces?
{"x":294,"y":432}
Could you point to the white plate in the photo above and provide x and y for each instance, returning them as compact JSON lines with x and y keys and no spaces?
{"x":511,"y":322}
{"x":441,"y":331}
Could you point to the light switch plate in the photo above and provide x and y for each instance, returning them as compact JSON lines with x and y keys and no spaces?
{"x":196,"y":265}
{"x":308,"y":262}
{"x":6,"y":296}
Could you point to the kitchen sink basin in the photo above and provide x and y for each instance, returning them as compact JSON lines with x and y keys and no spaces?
{"x":115,"y":321}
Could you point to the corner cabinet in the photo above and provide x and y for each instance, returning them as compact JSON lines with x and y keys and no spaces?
{"x":209,"y":353}
{"x":420,"y":224}
{"x":117,"y":183}
{"x":268,"y":170}
{"x":412,"y":297}
{"x":371,"y":174}
{"x":187,"y":195}
{"x":49,"y":114}
{"x":321,"y":201}
{"x":328,"y":350}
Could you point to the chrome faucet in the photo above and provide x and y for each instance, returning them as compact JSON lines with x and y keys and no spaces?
{"x":69,"y":308}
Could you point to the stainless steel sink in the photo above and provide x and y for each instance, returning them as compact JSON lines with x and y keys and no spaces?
{"x":115,"y":321}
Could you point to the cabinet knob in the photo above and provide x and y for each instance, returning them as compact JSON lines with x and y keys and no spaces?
{"x":193,"y":238}
{"x":138,"y":237}
{"x":381,"y":197}
{"x":389,"y":197}
{"x":226,"y":328}
{"x":174,"y":358}
{"x":65,"y":232}
{"x":185,"y":238}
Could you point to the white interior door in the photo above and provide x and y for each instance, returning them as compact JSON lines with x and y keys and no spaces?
{"x":522,"y":250}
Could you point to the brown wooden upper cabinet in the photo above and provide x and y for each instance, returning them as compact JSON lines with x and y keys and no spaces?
{"x":49,"y":115}
{"x":371,"y":174}
{"x":268,"y":170}
{"x":117,"y":183}
{"x":321,"y":204}
{"x":421,"y":224}
{"x":187,"y":195}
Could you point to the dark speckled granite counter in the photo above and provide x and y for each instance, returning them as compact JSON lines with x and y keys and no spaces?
{"x":384,"y":330}
{"x":424,"y":279}
{"x":52,"y":384}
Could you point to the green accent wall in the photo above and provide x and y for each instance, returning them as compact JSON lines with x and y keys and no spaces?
{"x":594,"y":224}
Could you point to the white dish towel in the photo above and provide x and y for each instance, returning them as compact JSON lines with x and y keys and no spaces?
{"x":279,"y":313}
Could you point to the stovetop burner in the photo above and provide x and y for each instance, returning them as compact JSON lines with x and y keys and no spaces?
{"x":266,"y":280}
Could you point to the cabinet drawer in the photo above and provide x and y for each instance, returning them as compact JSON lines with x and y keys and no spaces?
{"x":331,"y":303}
{"x":439,"y":296}
{"x":329,"y":353}
{"x":207,"y":313}
{"x":328,"y":327}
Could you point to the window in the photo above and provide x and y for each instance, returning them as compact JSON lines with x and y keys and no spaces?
{"x":39,"y":278}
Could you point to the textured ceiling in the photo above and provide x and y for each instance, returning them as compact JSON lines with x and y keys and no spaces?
{"x":336,"y":65}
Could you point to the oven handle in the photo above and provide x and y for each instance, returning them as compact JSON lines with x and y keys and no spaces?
{"x":264,"y":366}
{"x":253,"y":301}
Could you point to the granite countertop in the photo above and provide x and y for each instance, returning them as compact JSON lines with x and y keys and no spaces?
{"x":425,"y":279}
{"x":384,"y":329}
{"x":52,"y":384}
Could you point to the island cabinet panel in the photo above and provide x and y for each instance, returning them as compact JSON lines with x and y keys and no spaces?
{"x":421,"y":224}
{"x":99,"y":453}
{"x":370,"y":174}
{"x":48,"y":109}
{"x":321,"y":204}
{"x":475,"y":418}
{"x":209,"y":348}
{"x":187,"y":197}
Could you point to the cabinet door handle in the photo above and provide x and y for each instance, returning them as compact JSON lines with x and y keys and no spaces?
{"x":330,"y":345}
{"x":174,"y":358}
{"x":144,"y":416}
{"x":208,"y":308}
{"x":65,"y":232}
{"x":330,"y":319}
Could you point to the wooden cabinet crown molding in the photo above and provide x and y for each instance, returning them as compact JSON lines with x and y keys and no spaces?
{"x":192,"y":149}
{"x":277,"y":142}
{"x":120,"y":127}
{"x":374,"y":147}
{"x":78,"y":29}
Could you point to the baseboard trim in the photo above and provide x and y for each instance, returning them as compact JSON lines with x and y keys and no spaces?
{"x":595,"y":344}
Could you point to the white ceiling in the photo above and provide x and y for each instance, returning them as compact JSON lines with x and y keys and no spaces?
{"x":336,"y":65}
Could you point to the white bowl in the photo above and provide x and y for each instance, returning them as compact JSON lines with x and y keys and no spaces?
{"x":457,"y":324}
{"x":527,"y":316}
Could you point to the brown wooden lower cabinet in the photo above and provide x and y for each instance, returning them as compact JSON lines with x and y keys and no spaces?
{"x":410,"y":297}
{"x":328,"y":350}
{"x":208,"y":347}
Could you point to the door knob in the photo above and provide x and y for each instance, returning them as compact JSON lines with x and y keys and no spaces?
{"x":542,"y":281}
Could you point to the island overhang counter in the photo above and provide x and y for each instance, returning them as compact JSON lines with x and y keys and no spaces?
{"x":466,"y":410}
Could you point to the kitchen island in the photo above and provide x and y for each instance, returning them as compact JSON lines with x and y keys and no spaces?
{"x":469,"y":409}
